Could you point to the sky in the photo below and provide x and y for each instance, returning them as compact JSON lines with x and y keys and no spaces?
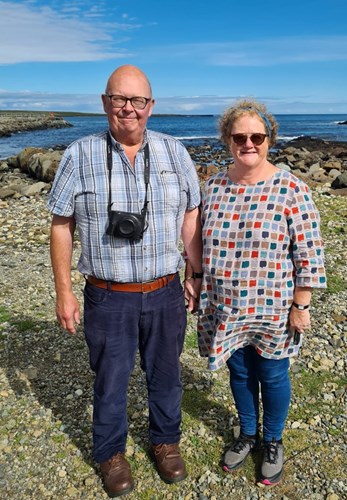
{"x":200,"y":55}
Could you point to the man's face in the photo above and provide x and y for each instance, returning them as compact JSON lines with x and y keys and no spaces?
{"x":126,"y":122}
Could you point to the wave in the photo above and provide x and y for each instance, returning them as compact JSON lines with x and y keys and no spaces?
{"x":195,"y":137}
{"x":287,"y":138}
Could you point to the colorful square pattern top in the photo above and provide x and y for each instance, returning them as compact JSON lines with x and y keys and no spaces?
{"x":260,"y":241}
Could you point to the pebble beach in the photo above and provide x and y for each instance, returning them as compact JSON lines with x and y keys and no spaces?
{"x":46,"y":384}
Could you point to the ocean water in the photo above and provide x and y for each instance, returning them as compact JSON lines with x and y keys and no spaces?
{"x":191,"y":129}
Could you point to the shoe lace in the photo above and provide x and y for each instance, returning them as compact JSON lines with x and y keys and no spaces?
{"x":117,"y":461}
{"x":271,"y":450}
{"x":168,"y":450}
{"x":241,"y":443}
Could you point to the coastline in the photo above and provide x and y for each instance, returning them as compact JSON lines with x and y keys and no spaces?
{"x":321,"y":164}
{"x":21,"y":121}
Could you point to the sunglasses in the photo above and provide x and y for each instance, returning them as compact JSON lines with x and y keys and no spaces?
{"x":241,"y":139}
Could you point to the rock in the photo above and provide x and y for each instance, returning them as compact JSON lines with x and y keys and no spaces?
{"x":334,"y":173}
{"x":6,"y":193}
{"x":33,"y":189}
{"x":18,"y":121}
{"x":332,"y":164}
{"x":25,"y":156}
{"x":340,"y":181}
{"x":283,"y":166}
{"x":314,"y":168}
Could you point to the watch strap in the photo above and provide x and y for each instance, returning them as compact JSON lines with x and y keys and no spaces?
{"x":197,"y":275}
{"x":300,"y":306}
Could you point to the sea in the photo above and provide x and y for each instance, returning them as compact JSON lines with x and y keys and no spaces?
{"x":192,"y":130}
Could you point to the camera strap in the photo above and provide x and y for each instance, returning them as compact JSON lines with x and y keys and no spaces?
{"x":109,"y":168}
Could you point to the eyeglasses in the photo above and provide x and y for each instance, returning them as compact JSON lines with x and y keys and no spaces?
{"x":241,"y":139}
{"x":119,"y":101}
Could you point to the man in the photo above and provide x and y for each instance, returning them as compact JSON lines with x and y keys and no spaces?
{"x":131,"y":203}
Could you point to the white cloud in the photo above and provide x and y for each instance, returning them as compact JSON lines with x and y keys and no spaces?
{"x":27,"y":100}
{"x":265,"y":52}
{"x":33,"y":34}
{"x":205,"y":104}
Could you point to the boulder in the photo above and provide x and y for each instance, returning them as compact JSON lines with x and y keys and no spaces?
{"x":25,"y":156}
{"x":33,"y":189}
{"x":43,"y":166}
{"x":340,"y":181}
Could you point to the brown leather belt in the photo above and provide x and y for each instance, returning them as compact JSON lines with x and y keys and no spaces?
{"x":147,"y":286}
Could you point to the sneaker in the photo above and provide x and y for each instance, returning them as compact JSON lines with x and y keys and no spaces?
{"x":272,"y":465}
{"x":236,"y":456}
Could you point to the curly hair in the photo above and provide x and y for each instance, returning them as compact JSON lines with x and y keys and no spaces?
{"x":244,"y":107}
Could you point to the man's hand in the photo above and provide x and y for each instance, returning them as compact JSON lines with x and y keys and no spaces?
{"x":68,"y":312}
{"x":192,"y":289}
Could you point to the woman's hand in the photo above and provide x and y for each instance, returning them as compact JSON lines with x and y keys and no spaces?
{"x":299,"y":320}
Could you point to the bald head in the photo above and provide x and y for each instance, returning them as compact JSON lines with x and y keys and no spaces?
{"x":128,"y":123}
{"x":127,"y":73}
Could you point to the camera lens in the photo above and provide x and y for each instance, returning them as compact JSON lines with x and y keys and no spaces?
{"x":126,"y":227}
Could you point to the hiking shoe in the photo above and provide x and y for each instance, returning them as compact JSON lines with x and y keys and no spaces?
{"x":236,"y":455}
{"x":116,"y":475}
{"x":272,"y":464}
{"x":170,"y":465}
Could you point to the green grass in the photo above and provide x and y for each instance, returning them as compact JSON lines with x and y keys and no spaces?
{"x":335,"y":282}
{"x":5,"y":315}
{"x":24,"y":325}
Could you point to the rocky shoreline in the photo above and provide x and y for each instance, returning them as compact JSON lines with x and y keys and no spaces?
{"x":13,"y":122}
{"x":319,"y":163}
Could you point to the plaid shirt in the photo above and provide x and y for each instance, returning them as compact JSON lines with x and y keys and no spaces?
{"x":80,"y":189}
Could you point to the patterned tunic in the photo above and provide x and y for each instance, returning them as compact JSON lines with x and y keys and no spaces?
{"x":260,"y":241}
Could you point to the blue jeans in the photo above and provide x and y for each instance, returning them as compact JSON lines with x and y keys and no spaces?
{"x":116,"y":326}
{"x":247,"y":370}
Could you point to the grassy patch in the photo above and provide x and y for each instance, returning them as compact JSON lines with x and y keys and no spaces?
{"x":191,"y":341}
{"x":335,"y":282}
{"x":5,"y":315}
{"x":24,"y":325}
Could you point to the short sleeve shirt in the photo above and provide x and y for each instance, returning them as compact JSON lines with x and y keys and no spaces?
{"x":80,"y":190}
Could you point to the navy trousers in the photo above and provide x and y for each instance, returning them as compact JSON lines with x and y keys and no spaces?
{"x":116,"y":326}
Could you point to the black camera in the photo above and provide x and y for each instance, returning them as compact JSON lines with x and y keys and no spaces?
{"x":127,"y":225}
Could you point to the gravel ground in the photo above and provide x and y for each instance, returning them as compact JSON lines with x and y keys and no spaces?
{"x":46,"y":388}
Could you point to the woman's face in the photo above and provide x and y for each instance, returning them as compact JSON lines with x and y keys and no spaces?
{"x":248,"y":154}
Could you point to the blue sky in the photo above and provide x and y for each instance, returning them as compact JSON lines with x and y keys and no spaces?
{"x":199,"y":55}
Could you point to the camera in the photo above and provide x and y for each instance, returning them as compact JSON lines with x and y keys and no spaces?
{"x":127,"y":225}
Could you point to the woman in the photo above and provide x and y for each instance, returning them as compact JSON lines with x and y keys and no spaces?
{"x":262,"y":256}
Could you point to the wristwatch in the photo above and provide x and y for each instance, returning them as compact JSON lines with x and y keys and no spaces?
{"x":300,"y":306}
{"x":197,"y":275}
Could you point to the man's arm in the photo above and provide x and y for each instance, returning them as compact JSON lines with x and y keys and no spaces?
{"x":191,"y":237}
{"x":62,"y":237}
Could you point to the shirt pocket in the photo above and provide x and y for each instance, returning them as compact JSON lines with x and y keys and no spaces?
{"x":86,"y":207}
{"x":173,"y":193}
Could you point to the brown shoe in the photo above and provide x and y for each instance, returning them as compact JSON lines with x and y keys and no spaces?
{"x":169,"y":462}
{"x":117,"y":476}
